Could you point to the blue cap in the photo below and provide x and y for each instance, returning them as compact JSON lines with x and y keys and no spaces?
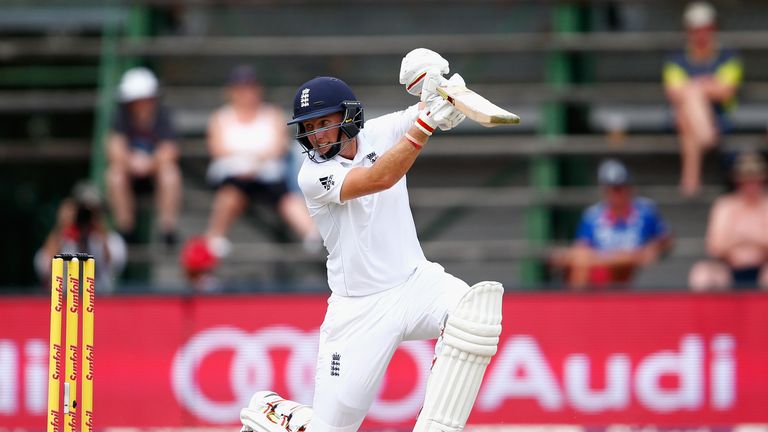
{"x":319,"y":97}
{"x":613,"y":173}
{"x":243,"y":74}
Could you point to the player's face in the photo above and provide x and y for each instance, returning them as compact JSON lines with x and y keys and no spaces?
{"x":323,"y":136}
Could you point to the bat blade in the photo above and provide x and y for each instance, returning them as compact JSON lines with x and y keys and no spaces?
{"x":477,"y":107}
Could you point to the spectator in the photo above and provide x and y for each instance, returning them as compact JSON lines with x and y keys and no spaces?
{"x":81,"y":227}
{"x":248,"y":142}
{"x":737,"y":235}
{"x":615,"y":236}
{"x":143,"y":155}
{"x":700,"y":83}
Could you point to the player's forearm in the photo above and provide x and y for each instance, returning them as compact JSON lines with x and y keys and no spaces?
{"x":388,"y":169}
{"x":395,"y":163}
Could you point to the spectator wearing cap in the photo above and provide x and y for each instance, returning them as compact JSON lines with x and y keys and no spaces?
{"x":142,"y":155}
{"x":248,"y":144}
{"x":701,"y":83}
{"x":737,"y":233}
{"x":615,"y":236}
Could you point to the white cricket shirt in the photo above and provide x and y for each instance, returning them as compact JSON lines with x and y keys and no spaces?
{"x":371,"y":240}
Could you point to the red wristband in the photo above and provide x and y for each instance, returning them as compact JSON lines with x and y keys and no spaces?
{"x":423,"y":125}
{"x":413,"y":141}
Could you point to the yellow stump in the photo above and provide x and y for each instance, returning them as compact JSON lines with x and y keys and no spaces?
{"x":55,"y":356}
{"x":86,"y":397}
{"x":72,"y":364}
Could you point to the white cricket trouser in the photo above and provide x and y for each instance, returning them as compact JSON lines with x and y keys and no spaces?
{"x":360,"y":334}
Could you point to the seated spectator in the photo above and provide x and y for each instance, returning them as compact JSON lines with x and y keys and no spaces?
{"x":737,"y":233}
{"x":248,"y":142}
{"x":81,"y":228}
{"x":142,"y":155}
{"x":701,"y":83}
{"x":615,"y":236}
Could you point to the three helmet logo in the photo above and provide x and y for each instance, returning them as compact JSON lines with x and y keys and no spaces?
{"x":335,"y":364}
{"x":304,"y":98}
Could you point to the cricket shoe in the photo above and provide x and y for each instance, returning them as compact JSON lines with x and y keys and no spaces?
{"x":268,"y":412}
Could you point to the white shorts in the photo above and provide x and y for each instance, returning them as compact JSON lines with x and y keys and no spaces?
{"x":360,"y":334}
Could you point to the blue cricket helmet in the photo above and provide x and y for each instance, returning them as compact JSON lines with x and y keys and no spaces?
{"x":322,"y":96}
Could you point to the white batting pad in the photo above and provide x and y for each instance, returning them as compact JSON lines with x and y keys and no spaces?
{"x":469,"y":340}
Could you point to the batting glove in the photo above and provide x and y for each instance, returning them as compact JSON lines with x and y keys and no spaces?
{"x":418,"y":65}
{"x":439,"y":112}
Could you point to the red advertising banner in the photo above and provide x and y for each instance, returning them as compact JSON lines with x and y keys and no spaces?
{"x":662,"y":359}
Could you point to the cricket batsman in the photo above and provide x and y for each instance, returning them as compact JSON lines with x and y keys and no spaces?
{"x":384,"y":291}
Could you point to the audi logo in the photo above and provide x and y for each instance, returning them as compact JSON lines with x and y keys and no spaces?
{"x":252,"y":369}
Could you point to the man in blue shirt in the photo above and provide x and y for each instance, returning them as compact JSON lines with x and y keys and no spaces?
{"x":615,"y":236}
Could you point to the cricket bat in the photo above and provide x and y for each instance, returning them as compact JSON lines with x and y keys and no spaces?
{"x":477,"y":107}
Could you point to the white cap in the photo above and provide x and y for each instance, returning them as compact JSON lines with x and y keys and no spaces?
{"x":613,"y":173}
{"x":137,"y":83}
{"x":699,"y":14}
